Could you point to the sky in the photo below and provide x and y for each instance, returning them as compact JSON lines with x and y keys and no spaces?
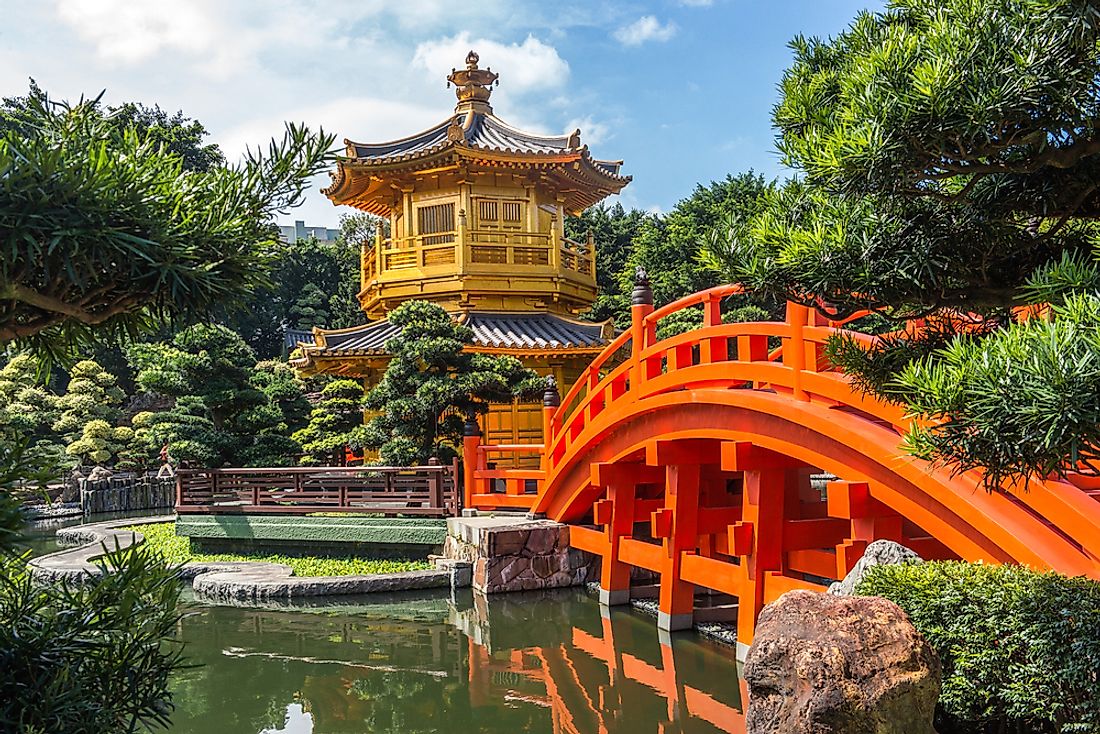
{"x":681,"y":90}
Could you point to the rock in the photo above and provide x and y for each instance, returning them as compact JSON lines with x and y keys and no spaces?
{"x":99,"y":474}
{"x":825,"y":664}
{"x":878,"y":553}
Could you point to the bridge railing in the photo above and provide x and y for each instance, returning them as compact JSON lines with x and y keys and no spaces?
{"x":787,"y":356}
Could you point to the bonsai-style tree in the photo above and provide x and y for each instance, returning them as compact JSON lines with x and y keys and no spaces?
{"x":221,"y":415}
{"x":950,"y":158}
{"x":92,"y":394}
{"x":134,"y":234}
{"x":27,"y":408}
{"x":334,"y":424}
{"x":101,"y":443}
{"x":431,"y":383}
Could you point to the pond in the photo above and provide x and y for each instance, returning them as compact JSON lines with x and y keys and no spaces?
{"x":535,"y":662}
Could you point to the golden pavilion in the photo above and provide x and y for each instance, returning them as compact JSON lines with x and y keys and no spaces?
{"x":476,"y":212}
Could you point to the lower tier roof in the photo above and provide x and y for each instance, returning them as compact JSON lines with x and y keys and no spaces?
{"x":534,"y":332}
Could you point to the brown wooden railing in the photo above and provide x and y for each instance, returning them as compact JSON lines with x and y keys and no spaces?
{"x":386,"y":490}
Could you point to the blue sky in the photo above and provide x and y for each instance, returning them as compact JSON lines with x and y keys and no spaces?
{"x":681,"y":90}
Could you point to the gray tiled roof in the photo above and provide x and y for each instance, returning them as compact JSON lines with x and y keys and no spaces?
{"x":479,"y":130}
{"x":293,"y":337}
{"x":537,"y":331}
{"x":484,"y":131}
{"x":533,"y":331}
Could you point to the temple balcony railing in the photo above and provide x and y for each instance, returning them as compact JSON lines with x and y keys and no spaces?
{"x":474,"y":251}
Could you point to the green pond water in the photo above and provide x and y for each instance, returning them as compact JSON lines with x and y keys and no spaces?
{"x":433,"y":662}
{"x":537,"y":662}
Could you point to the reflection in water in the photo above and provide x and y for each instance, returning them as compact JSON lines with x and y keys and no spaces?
{"x":544,"y":662}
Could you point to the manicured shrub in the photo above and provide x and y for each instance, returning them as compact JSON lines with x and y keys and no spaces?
{"x":1020,"y":649}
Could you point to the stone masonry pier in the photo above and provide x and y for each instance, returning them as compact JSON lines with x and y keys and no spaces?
{"x":513,"y":553}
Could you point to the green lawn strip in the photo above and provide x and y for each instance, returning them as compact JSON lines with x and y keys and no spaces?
{"x":162,"y":538}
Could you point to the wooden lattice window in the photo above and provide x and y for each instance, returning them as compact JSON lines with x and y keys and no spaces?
{"x":436,"y":223}
{"x":499,"y":214}
{"x":511,"y":212}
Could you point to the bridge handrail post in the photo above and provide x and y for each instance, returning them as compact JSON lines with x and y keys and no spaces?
{"x":794,"y":354}
{"x":551,"y":401}
{"x":471,"y":441}
{"x":641,"y":306}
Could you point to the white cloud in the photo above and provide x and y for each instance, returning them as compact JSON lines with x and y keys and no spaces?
{"x":362,"y":119}
{"x":593,"y":132}
{"x":646,"y":28}
{"x":126,"y":31}
{"x":526,"y":67}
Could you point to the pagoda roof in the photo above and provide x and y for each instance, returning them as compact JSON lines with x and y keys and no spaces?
{"x":479,"y":130}
{"x":527,"y":332}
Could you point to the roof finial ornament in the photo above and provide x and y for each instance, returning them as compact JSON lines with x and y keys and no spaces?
{"x":472,"y":85}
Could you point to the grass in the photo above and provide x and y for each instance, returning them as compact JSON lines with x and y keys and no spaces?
{"x":161,"y":537}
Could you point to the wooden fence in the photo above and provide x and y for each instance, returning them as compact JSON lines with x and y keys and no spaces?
{"x":387,"y":490}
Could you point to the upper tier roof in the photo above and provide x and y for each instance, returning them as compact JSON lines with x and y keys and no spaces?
{"x":479,"y":130}
{"x":473,"y":138}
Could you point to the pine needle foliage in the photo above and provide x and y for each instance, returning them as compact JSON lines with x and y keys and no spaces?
{"x":949,"y":159}
{"x":432,"y":383}
{"x":104,"y":231}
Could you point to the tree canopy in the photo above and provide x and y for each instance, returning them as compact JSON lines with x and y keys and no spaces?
{"x":134,"y":233}
{"x":312,"y":283}
{"x":222,"y":415}
{"x":949,"y":153}
{"x":431,"y":384}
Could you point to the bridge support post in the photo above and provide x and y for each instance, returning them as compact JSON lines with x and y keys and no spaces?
{"x":617,"y":514}
{"x":677,"y":597}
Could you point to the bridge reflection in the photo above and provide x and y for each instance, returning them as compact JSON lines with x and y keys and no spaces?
{"x":550,"y":663}
{"x":593,"y":685}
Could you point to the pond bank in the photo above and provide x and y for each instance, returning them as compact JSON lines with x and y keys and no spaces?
{"x":236,"y":580}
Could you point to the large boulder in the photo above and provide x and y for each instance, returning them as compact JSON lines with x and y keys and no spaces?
{"x":822,"y":664}
{"x":878,"y":553}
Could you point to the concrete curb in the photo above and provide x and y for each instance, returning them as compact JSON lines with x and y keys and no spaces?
{"x":238,"y":580}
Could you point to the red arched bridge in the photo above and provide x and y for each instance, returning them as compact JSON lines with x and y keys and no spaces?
{"x":700,"y":459}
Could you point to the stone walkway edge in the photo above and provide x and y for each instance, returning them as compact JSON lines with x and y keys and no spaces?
{"x":231,"y":580}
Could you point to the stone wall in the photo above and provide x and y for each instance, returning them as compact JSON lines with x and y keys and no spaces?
{"x":515,"y":554}
{"x":126,"y":493}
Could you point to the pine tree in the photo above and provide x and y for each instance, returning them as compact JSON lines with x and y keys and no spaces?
{"x":222,"y":415}
{"x":950,"y":152}
{"x":335,"y":423}
{"x":92,"y":394}
{"x":431,"y":383}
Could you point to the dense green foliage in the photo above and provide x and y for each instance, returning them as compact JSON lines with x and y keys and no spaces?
{"x":222,"y":414}
{"x":88,"y":658}
{"x":131,"y":236}
{"x":670,"y":247}
{"x":950,"y":158}
{"x":111,"y":225}
{"x":1019,"y":648}
{"x":28,"y":412}
{"x":161,"y":538}
{"x":91,"y":395}
{"x":312,"y":284}
{"x":431,"y":384}
{"x":335,"y":423}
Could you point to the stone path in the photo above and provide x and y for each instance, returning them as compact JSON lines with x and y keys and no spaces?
{"x":233,"y":580}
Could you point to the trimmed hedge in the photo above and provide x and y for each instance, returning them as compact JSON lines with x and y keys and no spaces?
{"x":1020,"y":649}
